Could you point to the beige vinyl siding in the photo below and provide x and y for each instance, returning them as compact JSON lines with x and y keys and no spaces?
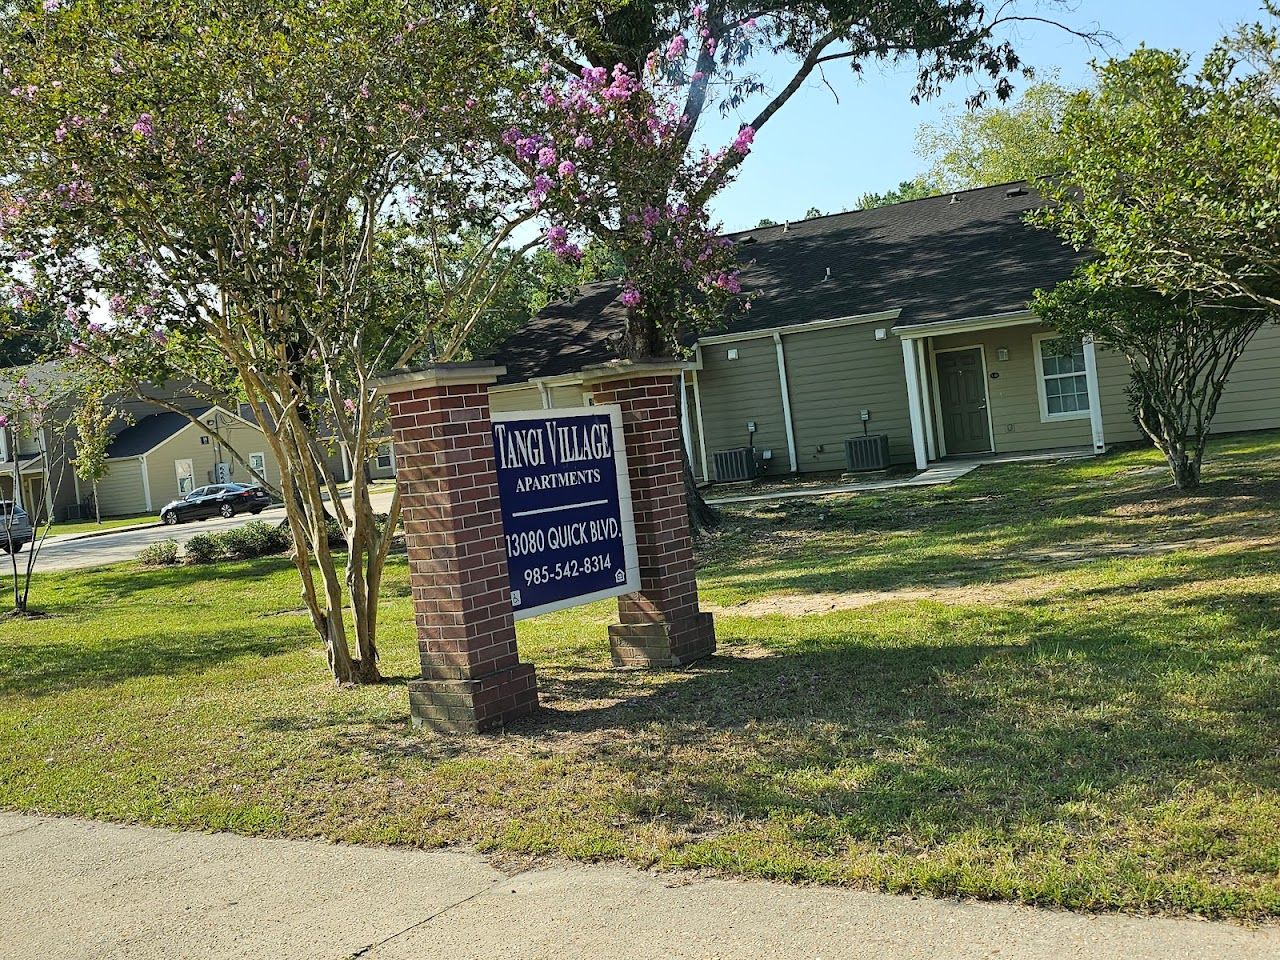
{"x":120,"y":491}
{"x":1113,"y":382}
{"x":334,"y":461}
{"x":833,"y":375}
{"x":511,"y":401}
{"x":737,"y":391}
{"x":186,"y":445}
{"x":1014,"y":396}
{"x":1251,"y":400}
{"x":28,"y":441}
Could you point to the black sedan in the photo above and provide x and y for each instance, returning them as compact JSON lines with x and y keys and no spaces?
{"x":216,"y":500}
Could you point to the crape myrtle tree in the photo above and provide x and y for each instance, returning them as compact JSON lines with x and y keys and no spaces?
{"x":695,"y":59}
{"x":29,"y":419}
{"x":284,"y":200}
{"x":1180,"y":354}
{"x":218,"y":191}
{"x":707,"y":56}
{"x":1172,"y":181}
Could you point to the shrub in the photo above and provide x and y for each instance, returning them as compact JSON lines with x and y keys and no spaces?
{"x":162,"y":554}
{"x":333,"y":534}
{"x":336,"y":540}
{"x":204,"y":548}
{"x":255,"y":539}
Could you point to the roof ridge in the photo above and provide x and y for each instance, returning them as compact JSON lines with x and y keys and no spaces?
{"x":887,"y":206}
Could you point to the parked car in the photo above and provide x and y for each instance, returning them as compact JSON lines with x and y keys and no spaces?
{"x":216,"y":500}
{"x":15,"y":527}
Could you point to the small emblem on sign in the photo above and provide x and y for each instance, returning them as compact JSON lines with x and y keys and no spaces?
{"x":515,"y":598}
{"x":620,"y":577}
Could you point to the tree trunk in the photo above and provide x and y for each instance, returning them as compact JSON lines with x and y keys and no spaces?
{"x":702,"y":516}
{"x":1186,"y":470}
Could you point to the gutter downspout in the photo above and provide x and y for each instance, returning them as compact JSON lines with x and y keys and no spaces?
{"x":146,"y":483}
{"x":697,"y":408}
{"x":1095,"y":396}
{"x":786,"y":403}
{"x":684,"y":419}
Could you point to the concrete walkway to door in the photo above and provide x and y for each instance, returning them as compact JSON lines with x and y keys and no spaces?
{"x":937,"y":475}
{"x":91,"y":891}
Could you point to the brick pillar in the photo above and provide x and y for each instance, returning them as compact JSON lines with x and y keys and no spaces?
{"x":472,"y":679}
{"x":661,"y":626}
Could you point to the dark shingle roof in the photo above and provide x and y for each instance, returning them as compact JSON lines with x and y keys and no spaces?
{"x":50,"y":377}
{"x":150,"y":432}
{"x":935,"y":259}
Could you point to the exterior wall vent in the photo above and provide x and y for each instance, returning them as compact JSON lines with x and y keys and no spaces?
{"x":871,"y":452}
{"x":735,"y":466}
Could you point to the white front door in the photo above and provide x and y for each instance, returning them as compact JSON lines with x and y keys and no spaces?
{"x":186,"y":476}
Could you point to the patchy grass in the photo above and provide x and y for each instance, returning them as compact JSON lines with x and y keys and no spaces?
{"x":1059,"y":684}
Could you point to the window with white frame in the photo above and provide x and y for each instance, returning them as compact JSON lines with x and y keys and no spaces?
{"x":258,"y":462}
{"x":385,"y":457}
{"x":1061,"y":378}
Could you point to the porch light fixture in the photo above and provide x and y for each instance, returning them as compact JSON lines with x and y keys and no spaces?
{"x":1002,"y":353}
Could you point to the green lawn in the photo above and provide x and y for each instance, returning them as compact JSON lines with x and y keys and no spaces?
{"x":1054,"y":684}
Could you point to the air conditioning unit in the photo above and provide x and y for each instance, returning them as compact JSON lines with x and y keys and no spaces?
{"x":734,"y":466}
{"x":867,"y":453}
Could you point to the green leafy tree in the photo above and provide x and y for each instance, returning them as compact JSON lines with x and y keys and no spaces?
{"x":1171,"y":179}
{"x":91,"y":421}
{"x":997,"y":144}
{"x":23,"y":334}
{"x":1180,"y":355}
{"x":916,"y":189}
{"x":549,"y":279}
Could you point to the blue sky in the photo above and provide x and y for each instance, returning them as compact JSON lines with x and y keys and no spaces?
{"x":821,"y":153}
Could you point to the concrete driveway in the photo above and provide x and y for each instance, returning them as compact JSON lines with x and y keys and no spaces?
{"x":76,"y":552}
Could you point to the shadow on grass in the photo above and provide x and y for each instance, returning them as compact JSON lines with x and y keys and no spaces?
{"x":39,"y":669}
{"x":161,"y":626}
{"x":838,"y":738}
{"x":1010,"y":522}
{"x":965,"y":724}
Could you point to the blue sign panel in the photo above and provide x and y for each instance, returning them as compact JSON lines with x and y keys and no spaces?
{"x":566,"y":507}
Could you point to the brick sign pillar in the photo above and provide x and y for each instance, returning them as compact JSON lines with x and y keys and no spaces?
{"x":472,"y":679}
{"x":661,"y":625}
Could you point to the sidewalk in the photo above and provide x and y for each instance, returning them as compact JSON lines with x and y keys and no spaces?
{"x":76,"y":889}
